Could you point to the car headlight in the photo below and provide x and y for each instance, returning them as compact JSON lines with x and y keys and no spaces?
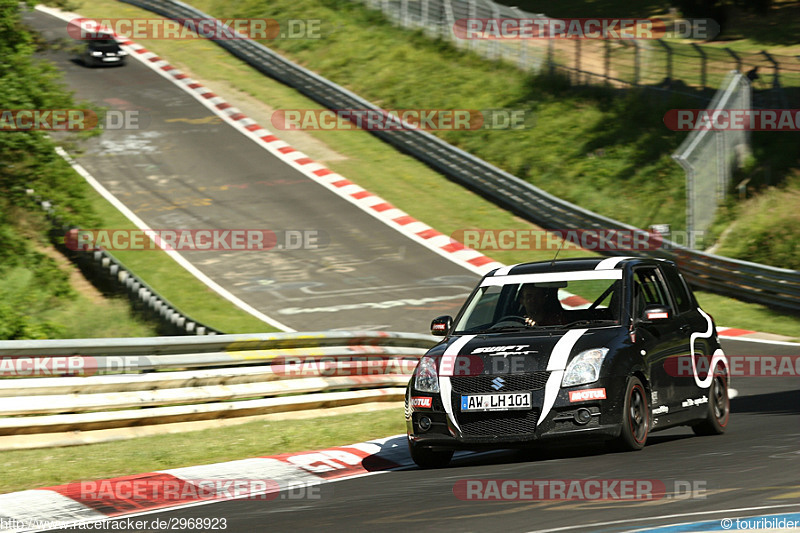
{"x":426,"y":380}
{"x":97,"y":53}
{"x":585,"y":368}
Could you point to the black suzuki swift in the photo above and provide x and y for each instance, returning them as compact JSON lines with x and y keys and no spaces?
{"x":611,"y":348}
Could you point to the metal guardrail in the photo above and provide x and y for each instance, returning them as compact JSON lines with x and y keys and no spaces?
{"x":109,"y":274}
{"x":86,"y":384}
{"x":747,"y":281}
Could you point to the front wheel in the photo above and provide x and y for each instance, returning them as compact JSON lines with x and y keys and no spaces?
{"x":719,"y":408}
{"x":635,"y":418}
{"x":429,"y":458}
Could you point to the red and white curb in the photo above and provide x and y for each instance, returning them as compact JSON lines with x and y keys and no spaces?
{"x":341,"y":186}
{"x":39,"y":509}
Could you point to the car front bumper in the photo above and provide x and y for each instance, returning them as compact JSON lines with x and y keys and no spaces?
{"x":579,"y":418}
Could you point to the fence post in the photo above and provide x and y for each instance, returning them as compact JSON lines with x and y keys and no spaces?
{"x":637,"y":58}
{"x":736,"y":58}
{"x":472,"y":15}
{"x":496,"y":45}
{"x":577,"y":61}
{"x":607,"y":62}
{"x":666,"y":47}
{"x":703,"y":65}
{"x":777,"y":90}
{"x":447,"y":27}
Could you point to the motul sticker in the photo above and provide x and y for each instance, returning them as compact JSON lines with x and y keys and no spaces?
{"x":587,"y":394}
{"x":421,"y":401}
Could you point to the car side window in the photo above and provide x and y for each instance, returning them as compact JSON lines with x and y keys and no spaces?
{"x":651,"y":290}
{"x":680,"y":292}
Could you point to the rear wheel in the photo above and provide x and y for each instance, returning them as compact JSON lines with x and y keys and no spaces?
{"x":635,"y":418}
{"x":719,"y":407}
{"x":429,"y":458}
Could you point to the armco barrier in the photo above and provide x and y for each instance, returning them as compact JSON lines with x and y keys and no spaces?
{"x":776,"y":287}
{"x":144,"y":381}
{"x":111,"y":276}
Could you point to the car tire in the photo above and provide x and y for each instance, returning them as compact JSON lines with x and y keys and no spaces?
{"x":719,"y":407}
{"x":635,"y":418}
{"x":426,"y":457}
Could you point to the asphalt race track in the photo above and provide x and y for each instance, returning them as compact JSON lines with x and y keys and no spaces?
{"x":185,"y":168}
{"x":751,"y":470}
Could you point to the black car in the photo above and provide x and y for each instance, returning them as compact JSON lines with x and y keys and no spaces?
{"x":609,"y":348}
{"x":104,"y":50}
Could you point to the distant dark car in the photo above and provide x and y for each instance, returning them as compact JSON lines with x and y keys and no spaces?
{"x":103,"y":52}
{"x":607,"y":348}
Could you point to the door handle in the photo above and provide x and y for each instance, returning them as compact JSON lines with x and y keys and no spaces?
{"x":685,"y":329}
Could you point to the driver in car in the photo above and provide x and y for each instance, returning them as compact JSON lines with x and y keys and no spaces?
{"x":541,"y":305}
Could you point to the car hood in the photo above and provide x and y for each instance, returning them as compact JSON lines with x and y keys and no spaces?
{"x":529,"y":352}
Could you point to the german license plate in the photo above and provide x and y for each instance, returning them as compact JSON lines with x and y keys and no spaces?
{"x":506,"y":401}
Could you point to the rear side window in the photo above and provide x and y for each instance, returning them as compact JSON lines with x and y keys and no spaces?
{"x":679,"y":291}
{"x":648,"y":289}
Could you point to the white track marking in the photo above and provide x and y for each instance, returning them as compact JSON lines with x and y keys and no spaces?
{"x":589,"y":526}
{"x":178,"y":258}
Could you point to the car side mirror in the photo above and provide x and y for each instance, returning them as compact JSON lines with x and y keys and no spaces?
{"x":654,"y":312}
{"x":441,"y":325}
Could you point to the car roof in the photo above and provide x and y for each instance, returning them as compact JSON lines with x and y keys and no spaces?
{"x":577,"y":264}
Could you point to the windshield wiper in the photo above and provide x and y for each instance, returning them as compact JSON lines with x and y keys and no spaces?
{"x":502,"y":329}
{"x":588,"y":322}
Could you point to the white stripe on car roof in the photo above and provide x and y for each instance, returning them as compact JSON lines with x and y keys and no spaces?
{"x":552,"y":276}
{"x":611,"y":262}
{"x":505,"y":270}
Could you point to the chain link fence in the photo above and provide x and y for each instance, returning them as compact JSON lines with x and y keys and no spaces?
{"x":679,"y":67}
{"x":709,"y":157}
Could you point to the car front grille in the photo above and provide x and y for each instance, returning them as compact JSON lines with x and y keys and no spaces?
{"x":498,"y":423}
{"x":513,"y":382}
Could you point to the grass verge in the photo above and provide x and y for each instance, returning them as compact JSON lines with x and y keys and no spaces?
{"x":25,"y":469}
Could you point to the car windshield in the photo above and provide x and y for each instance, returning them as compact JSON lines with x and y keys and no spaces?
{"x":525,"y":302}
{"x":104,"y":44}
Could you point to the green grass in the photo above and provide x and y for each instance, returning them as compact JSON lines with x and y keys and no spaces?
{"x":25,"y":469}
{"x":86,"y":318}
